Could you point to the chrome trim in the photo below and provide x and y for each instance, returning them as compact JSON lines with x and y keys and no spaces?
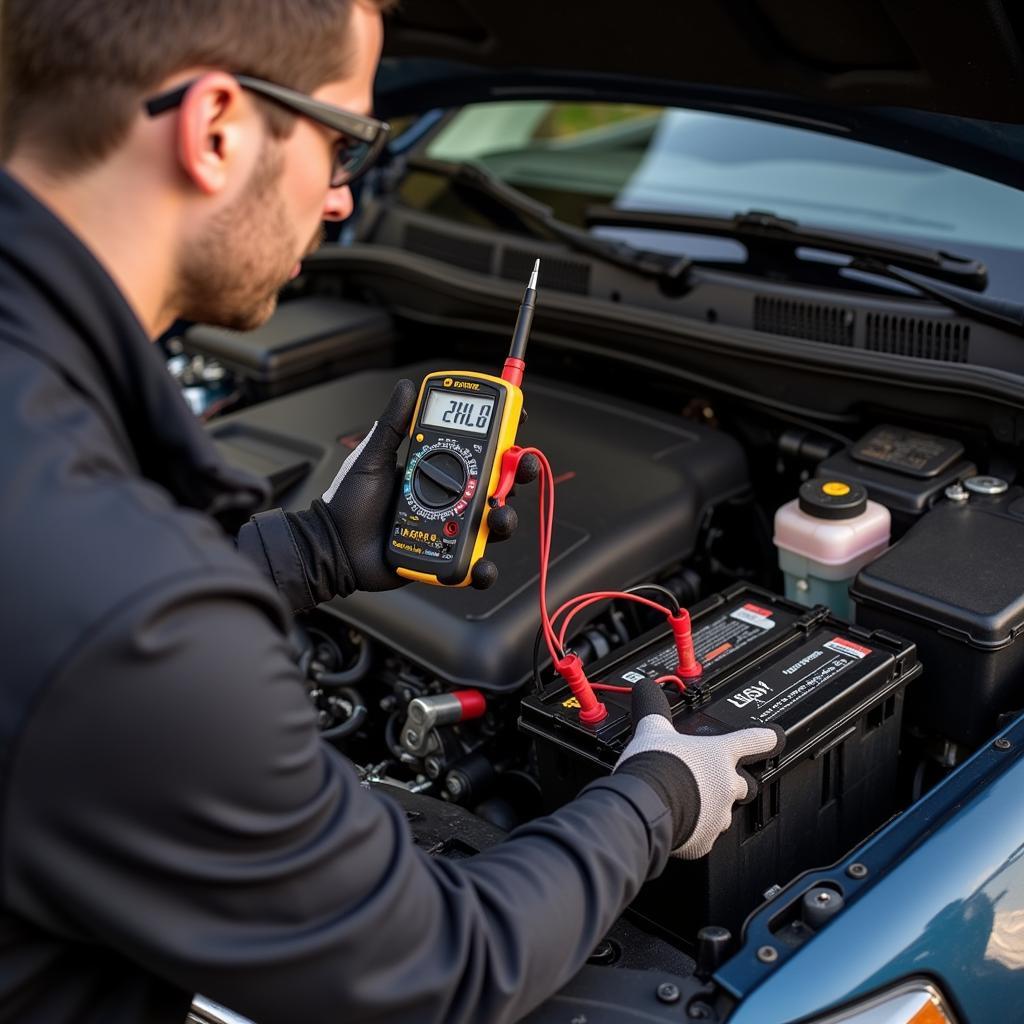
{"x":206,"y":1011}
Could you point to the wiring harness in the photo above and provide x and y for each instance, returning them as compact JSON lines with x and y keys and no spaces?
{"x":567,"y":663}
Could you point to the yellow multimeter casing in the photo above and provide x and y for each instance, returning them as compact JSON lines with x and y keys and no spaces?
{"x":463,"y":424}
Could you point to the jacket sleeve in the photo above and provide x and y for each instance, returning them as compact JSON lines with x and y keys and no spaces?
{"x":268,"y":541}
{"x":170,"y":798}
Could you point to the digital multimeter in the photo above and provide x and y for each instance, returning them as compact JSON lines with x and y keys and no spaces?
{"x":463,"y":424}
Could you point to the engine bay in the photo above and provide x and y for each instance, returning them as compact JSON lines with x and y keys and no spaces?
{"x":446,"y":699}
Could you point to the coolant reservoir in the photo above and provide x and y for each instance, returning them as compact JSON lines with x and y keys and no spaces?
{"x":824,"y":537}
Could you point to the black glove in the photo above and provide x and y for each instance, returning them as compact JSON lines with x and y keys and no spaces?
{"x":698,"y":777}
{"x":337,"y":545}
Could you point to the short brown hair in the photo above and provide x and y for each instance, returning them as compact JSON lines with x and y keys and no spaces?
{"x":73,"y":72}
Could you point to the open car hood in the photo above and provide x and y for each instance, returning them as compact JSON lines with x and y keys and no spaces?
{"x":940,"y":81}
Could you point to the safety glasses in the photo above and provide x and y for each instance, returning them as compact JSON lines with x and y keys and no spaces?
{"x":360,"y":142}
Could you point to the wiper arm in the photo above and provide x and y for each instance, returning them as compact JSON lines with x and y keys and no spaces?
{"x":771,"y":240}
{"x":534,"y":214}
{"x":1000,"y":313}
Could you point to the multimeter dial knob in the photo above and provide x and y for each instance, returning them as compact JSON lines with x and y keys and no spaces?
{"x":439,"y":480}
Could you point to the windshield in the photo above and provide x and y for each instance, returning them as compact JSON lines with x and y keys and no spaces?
{"x":655,"y":158}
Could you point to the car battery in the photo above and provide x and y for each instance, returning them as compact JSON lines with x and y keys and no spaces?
{"x":837,"y":690}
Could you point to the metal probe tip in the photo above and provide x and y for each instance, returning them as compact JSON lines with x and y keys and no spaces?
{"x":533,"y":276}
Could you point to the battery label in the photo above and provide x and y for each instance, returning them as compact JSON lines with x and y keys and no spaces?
{"x":844,"y":646}
{"x":755,"y":615}
{"x":920,"y":455}
{"x":727,"y":635}
{"x":789,"y":681}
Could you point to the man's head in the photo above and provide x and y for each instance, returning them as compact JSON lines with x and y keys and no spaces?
{"x":234,"y":183}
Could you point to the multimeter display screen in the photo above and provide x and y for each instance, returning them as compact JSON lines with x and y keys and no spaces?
{"x":458,"y":411}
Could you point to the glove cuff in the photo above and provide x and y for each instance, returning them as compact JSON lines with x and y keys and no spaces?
{"x":673,"y":782}
{"x":301,"y":552}
{"x":324,"y":559}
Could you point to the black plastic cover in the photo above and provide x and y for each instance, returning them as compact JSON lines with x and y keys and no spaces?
{"x":960,"y":570}
{"x":633,"y":487}
{"x":955,"y":586}
{"x":311,"y":334}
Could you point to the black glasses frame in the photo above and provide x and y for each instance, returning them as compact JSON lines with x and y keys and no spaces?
{"x":369,"y":134}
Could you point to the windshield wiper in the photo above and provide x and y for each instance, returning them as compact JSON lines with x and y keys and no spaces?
{"x":1001,"y":313}
{"x":533,"y":215}
{"x":771,"y":241}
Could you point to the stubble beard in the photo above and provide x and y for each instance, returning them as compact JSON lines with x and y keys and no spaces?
{"x":231,"y":277}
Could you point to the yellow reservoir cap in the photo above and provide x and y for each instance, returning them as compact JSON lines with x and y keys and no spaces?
{"x":835,"y":489}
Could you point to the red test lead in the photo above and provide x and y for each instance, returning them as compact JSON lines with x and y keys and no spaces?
{"x":689,"y":666}
{"x":566,"y":663}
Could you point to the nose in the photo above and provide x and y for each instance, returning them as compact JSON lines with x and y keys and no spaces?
{"x":339,"y":203}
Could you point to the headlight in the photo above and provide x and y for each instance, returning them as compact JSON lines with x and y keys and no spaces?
{"x":915,"y":1002}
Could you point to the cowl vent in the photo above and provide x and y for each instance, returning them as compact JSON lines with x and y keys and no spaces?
{"x":561,"y":275}
{"x":454,"y":249}
{"x":833,"y":325}
{"x":946,"y":340}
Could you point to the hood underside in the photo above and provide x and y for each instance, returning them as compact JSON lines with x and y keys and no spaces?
{"x":963,"y":58}
{"x":941,"y":80}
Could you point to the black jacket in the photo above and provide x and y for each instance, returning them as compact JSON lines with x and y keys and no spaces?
{"x":169,"y":820}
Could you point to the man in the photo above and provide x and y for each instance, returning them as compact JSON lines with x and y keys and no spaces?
{"x":170,"y":822}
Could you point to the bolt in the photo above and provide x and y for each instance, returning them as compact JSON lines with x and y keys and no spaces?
{"x":857,"y":870}
{"x":767,"y":954}
{"x":803,"y":586}
{"x":823,"y":899}
{"x":989,"y":485}
{"x":699,"y":1011}
{"x":412,"y":737}
{"x":1002,"y":743}
{"x":580,"y":1018}
{"x":605,"y":952}
{"x":957,"y":493}
{"x":433,"y":766}
{"x":454,"y":786}
{"x":668,"y":993}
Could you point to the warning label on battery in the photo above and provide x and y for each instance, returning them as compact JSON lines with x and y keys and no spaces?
{"x":755,"y":616}
{"x":731,"y":633}
{"x":727,"y":635}
{"x":788,"y":682}
{"x":844,"y":646}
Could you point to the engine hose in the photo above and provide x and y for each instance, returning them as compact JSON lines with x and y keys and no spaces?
{"x":354,"y":720}
{"x":346,"y":677}
{"x":391,"y":728}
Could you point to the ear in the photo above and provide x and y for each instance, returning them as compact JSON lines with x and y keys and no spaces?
{"x":213,"y":131}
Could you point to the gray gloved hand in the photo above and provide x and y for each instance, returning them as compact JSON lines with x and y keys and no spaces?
{"x":698,"y":777}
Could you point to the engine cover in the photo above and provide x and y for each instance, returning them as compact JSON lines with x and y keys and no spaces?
{"x":633,"y":486}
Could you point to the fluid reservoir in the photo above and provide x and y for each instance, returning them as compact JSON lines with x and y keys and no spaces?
{"x":825,"y":537}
